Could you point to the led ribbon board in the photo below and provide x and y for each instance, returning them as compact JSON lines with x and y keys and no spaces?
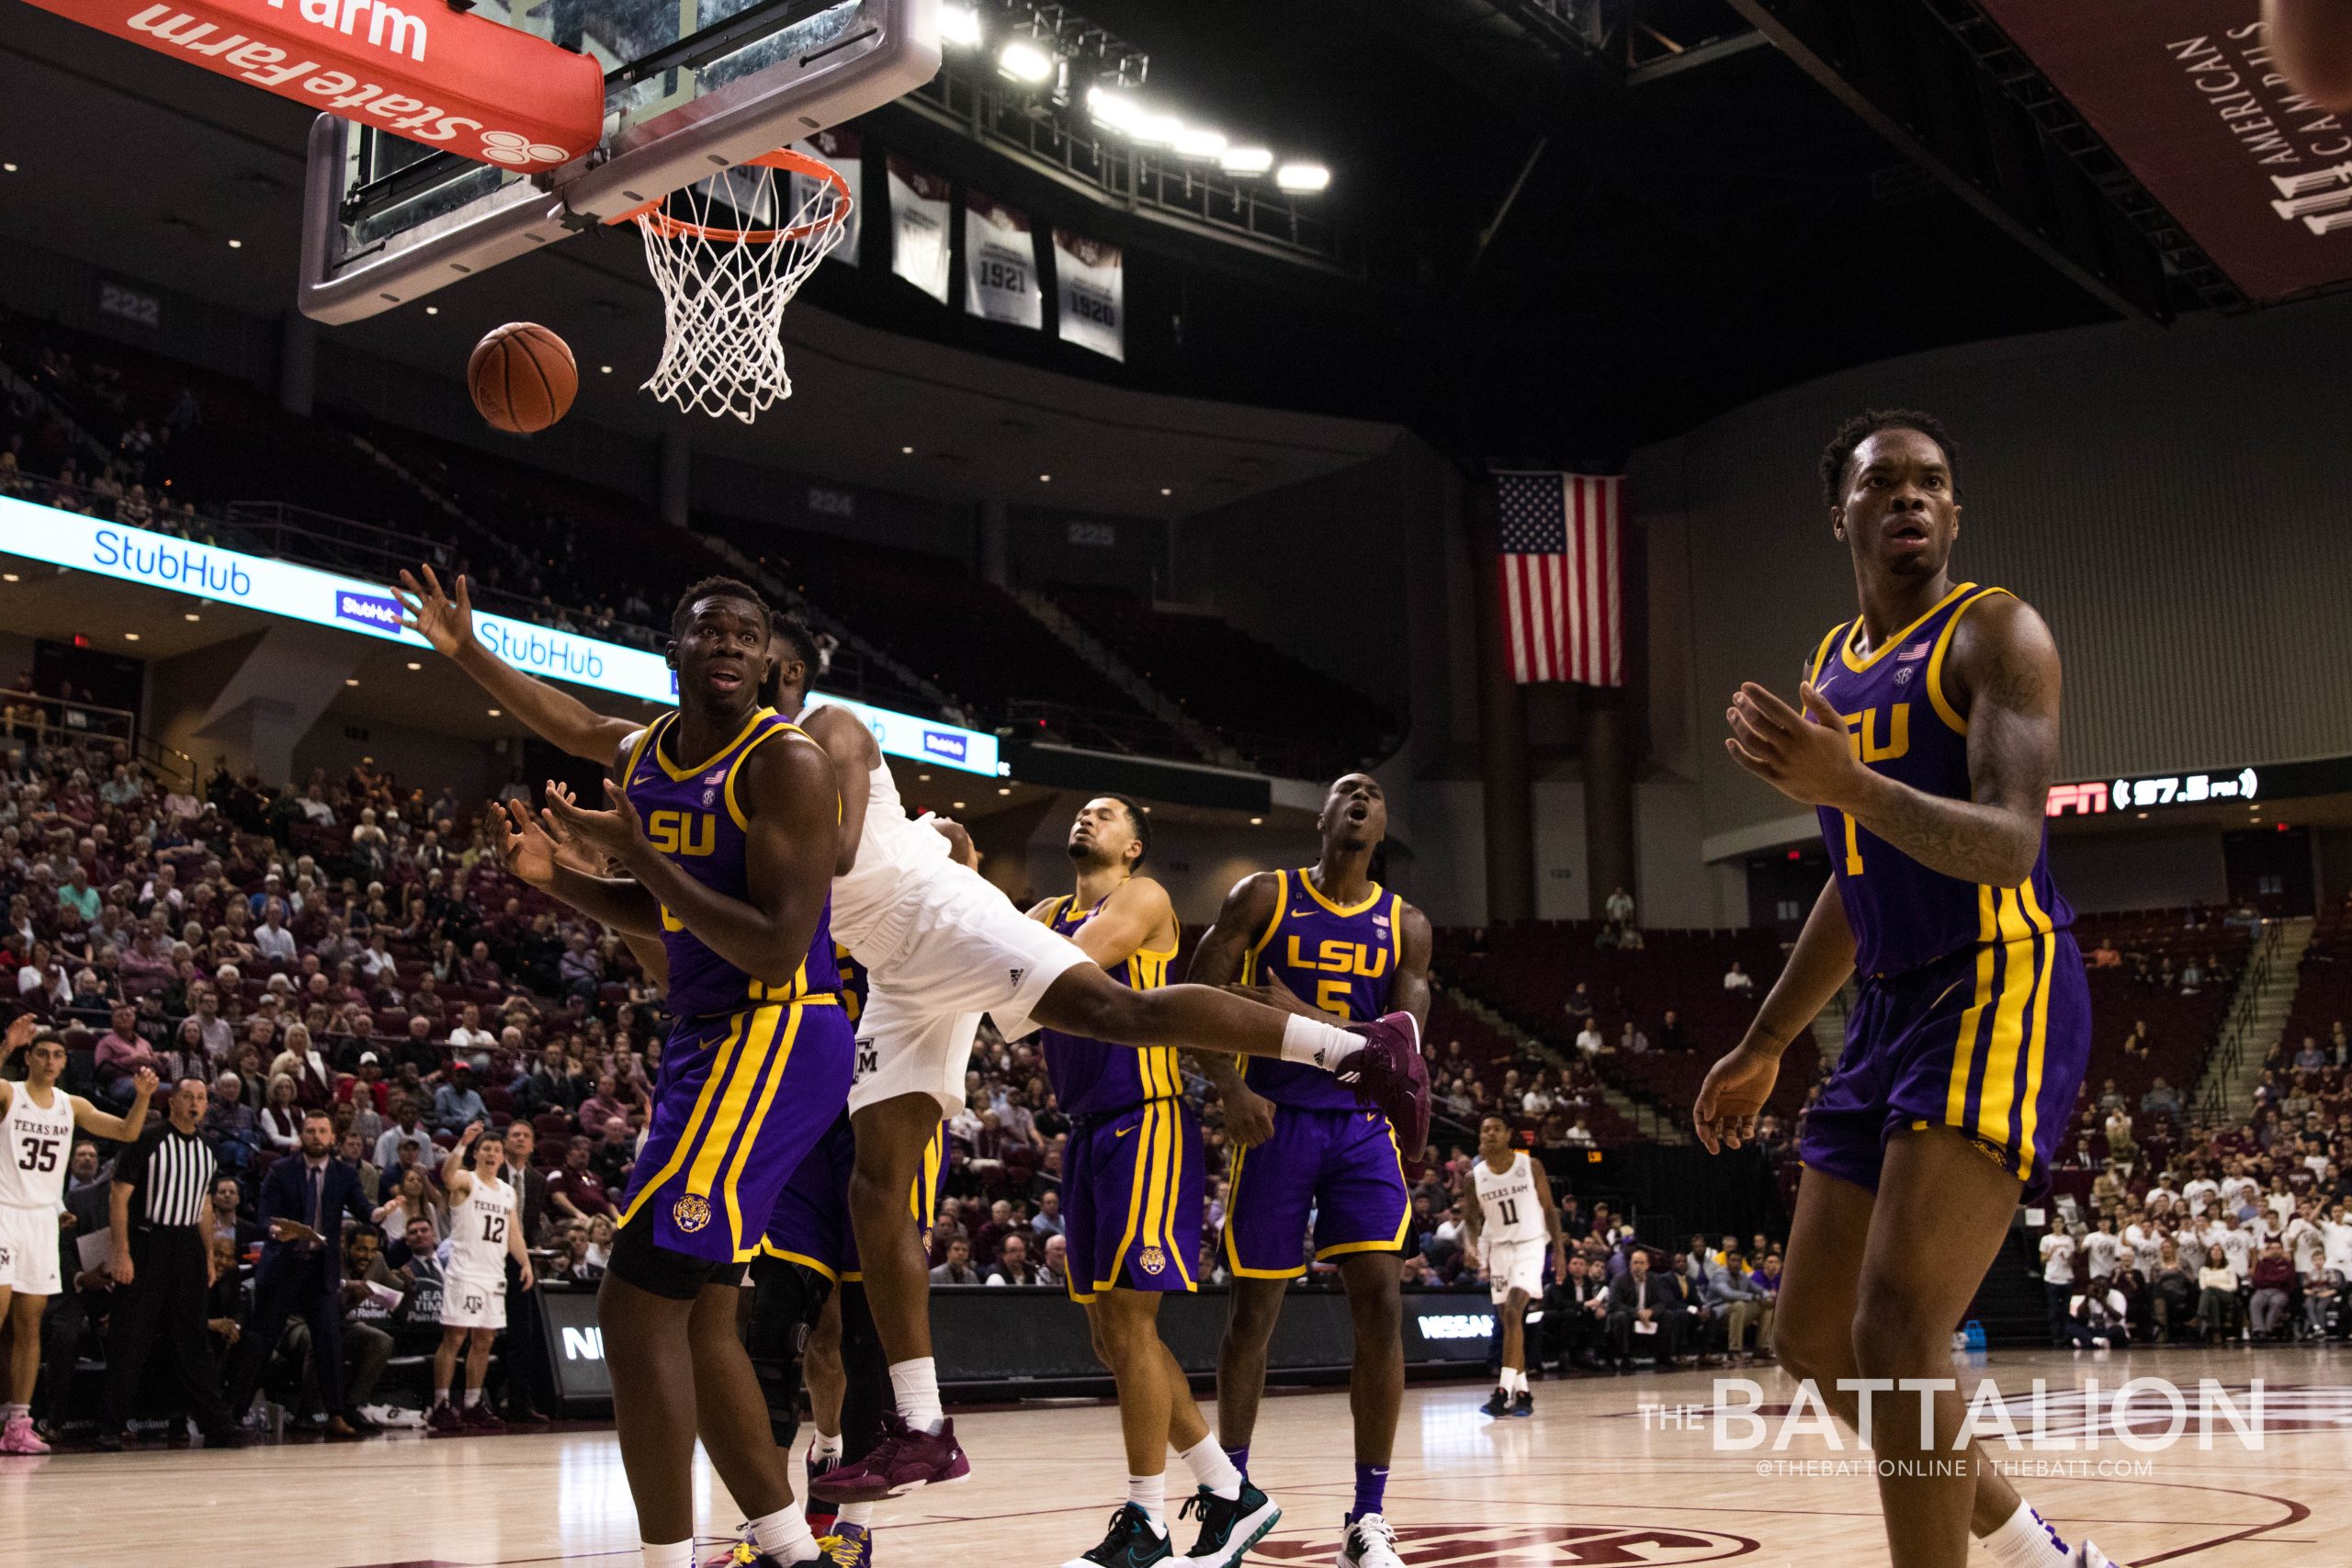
{"x":349,"y":605}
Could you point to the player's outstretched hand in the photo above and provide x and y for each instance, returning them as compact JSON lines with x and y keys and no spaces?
{"x":616,"y":832}
{"x":21,"y":1030}
{"x":445,"y":620}
{"x":144,"y":1082}
{"x":1729,"y":1101}
{"x":525,"y":850}
{"x":473,"y":1131}
{"x":1806,"y":756}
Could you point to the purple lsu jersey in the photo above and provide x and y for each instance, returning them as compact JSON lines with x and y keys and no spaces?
{"x":1092,"y":1077}
{"x":1899,"y":724}
{"x":693,"y":818}
{"x":1973,"y":1010}
{"x":1342,"y":960}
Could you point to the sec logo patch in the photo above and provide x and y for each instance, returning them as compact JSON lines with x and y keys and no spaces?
{"x":690,"y":1214}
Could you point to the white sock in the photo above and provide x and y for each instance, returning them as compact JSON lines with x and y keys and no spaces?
{"x":1212,"y":1469}
{"x":784,"y":1535}
{"x":677,"y":1554}
{"x":440,"y":1396}
{"x":828,"y":1445}
{"x":859,"y":1514}
{"x":1518,"y":1376}
{"x":2025,"y":1541}
{"x":916,"y":1386}
{"x":1316,"y":1044}
{"x":1149,"y":1493}
{"x":473,"y":1397}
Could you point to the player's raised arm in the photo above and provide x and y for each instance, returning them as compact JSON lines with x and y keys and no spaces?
{"x":789,"y":845}
{"x":123,"y":1129}
{"x":529,"y":851}
{"x":854,"y":751}
{"x":455,"y":1181}
{"x":446,"y":621}
{"x":2004,"y":677}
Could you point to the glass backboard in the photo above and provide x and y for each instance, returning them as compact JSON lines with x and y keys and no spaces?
{"x":690,"y":86}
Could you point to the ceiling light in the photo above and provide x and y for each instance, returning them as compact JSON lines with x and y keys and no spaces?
{"x":11,"y":169}
{"x":957,"y":807}
{"x":1195,"y":142}
{"x":922,"y":778}
{"x":907,"y":451}
{"x":414,"y":665}
{"x":130,"y":636}
{"x":605,"y":369}
{"x":9,"y":577}
{"x":959,"y":25}
{"x":236,"y":244}
{"x":1004,"y":789}
{"x":351,"y":680}
{"x":1024,"y":61}
{"x":1165,"y":491}
{"x":1112,"y":107}
{"x":1303,"y":177}
{"x":191,"y":615}
{"x":1245,"y":159}
{"x":433,"y":309}
{"x":1257,"y":821}
{"x":1044,"y":479}
{"x":496,"y":714}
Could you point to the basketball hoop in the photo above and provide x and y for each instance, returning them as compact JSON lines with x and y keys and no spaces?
{"x":724,"y":284}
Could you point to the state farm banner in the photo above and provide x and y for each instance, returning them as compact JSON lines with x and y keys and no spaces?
{"x":1092,"y":293}
{"x":919,"y":228}
{"x":419,"y":69}
{"x":1001,"y":263}
{"x":840,"y":150}
{"x":2186,"y":94}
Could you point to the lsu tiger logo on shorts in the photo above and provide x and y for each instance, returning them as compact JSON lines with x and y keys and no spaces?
{"x":1153,"y":1260}
{"x":690,"y":1214}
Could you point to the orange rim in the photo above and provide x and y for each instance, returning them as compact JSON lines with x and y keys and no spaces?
{"x":651,"y":215}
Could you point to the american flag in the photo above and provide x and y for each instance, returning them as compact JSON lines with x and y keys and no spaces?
{"x":1561,"y":562}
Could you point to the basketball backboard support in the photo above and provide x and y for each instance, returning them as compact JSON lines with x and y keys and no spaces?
{"x":691,"y":86}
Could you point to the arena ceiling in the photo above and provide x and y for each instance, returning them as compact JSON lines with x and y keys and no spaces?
{"x":1563,"y":252}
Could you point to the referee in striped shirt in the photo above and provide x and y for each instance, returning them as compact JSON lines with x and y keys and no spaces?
{"x":162,"y":1268}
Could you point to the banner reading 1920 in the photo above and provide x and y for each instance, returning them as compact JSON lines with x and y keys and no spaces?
{"x":2185,"y":93}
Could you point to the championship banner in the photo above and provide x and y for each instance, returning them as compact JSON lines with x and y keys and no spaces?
{"x":1001,"y":263}
{"x":845,"y":154}
{"x":422,"y":69}
{"x":919,"y":228}
{"x":2186,"y":94}
{"x":1093,"y":294}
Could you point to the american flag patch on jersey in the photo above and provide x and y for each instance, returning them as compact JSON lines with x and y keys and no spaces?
{"x":1917,"y":650}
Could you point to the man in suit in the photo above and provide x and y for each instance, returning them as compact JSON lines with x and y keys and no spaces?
{"x":1644,"y":1313}
{"x":304,"y":1201}
{"x":530,"y":1380}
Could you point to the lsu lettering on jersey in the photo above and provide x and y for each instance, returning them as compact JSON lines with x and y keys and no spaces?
{"x":1341,"y":960}
{"x":692,"y":818}
{"x":1973,"y":1012}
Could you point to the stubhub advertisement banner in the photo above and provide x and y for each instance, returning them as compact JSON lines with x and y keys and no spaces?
{"x":344,"y":604}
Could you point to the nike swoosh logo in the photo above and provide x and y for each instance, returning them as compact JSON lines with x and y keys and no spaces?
{"x":1123,"y":1131}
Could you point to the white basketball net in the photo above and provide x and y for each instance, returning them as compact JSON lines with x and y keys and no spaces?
{"x":727,"y":269}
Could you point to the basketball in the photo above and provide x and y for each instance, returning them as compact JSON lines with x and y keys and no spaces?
{"x":522,"y":377}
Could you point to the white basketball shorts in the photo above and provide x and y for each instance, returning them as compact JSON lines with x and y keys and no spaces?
{"x":468,"y":1302}
{"x":29,"y":1250}
{"x":1516,"y":1266}
{"x":968,"y":952}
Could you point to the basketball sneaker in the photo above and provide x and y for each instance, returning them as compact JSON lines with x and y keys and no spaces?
{"x":850,"y":1546}
{"x":1369,"y":1541}
{"x":444,"y":1419}
{"x":1389,"y":1074}
{"x":18,"y":1437}
{"x":821,"y":1512}
{"x":903,"y":1460}
{"x":2085,"y":1555}
{"x":1229,"y":1526}
{"x":1133,"y":1541}
{"x":1497,"y":1404}
{"x":480,"y":1418}
{"x":1523,"y":1403}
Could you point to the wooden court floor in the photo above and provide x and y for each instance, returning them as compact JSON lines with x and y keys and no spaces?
{"x":1609,"y":1471}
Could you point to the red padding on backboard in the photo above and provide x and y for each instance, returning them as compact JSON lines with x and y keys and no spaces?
{"x":418,"y":68}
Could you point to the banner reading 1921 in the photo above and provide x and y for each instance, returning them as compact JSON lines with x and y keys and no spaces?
{"x":2185,"y":93}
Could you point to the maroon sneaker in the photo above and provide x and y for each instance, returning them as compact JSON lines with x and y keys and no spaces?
{"x":1389,"y":1073}
{"x":481,"y":1418}
{"x":903,"y":1460}
{"x":443,"y":1418}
